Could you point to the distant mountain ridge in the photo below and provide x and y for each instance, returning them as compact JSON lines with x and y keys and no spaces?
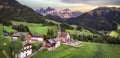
{"x":64,"y":13}
{"x":102,"y":18}
{"x":13,"y":10}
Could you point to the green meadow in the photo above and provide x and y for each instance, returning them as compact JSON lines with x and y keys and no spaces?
{"x":37,"y":28}
{"x":83,"y":31}
{"x":9,"y":29}
{"x":87,"y":50}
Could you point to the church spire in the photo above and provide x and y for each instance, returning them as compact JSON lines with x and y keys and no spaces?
{"x":59,"y":31}
{"x":59,"y":28}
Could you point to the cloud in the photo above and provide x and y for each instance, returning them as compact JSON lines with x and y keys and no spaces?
{"x":93,"y":2}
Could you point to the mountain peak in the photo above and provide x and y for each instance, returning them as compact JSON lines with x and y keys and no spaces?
{"x":66,"y":9}
{"x":64,"y":13}
{"x":49,"y":9}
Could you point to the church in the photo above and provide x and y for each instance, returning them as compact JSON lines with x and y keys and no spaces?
{"x":63,"y":36}
{"x":51,"y":44}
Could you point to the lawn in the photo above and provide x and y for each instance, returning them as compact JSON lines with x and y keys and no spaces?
{"x":88,"y":50}
{"x":40,"y":29}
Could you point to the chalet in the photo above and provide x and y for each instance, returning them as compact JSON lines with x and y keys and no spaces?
{"x":26,"y":51}
{"x":51,"y":44}
{"x":37,"y":37}
{"x":16,"y":35}
{"x":29,"y":37}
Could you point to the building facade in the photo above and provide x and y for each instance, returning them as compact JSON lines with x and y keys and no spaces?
{"x":26,"y":51}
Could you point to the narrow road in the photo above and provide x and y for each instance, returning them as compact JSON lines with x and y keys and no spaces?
{"x":35,"y":52}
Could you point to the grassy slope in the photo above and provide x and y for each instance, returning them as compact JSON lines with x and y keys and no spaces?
{"x":88,"y":50}
{"x":83,"y":31}
{"x":37,"y":28}
{"x":9,"y":29}
{"x":6,"y":28}
{"x":40,"y":29}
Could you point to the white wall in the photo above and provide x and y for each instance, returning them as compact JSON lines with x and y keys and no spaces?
{"x":39,"y":39}
{"x":57,"y":44}
{"x":68,"y":36}
{"x":28,"y":52}
{"x":14,"y":38}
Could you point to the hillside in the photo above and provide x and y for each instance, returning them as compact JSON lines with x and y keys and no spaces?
{"x":102,"y":18}
{"x":55,"y":18}
{"x":13,"y":10}
{"x":87,"y":50}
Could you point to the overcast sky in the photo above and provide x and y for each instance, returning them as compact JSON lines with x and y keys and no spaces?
{"x":80,"y":5}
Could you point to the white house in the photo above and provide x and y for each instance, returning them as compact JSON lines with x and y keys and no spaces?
{"x":29,"y":37}
{"x":51,"y":44}
{"x":26,"y":51}
{"x":16,"y":35}
{"x":37,"y":37}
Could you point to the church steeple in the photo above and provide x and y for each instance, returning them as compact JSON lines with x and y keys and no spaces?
{"x":59,"y":31}
{"x":59,"y":28}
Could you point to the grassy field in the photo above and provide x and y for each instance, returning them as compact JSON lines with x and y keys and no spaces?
{"x":6,"y":28}
{"x":40,"y":30}
{"x":9,"y":29}
{"x":88,"y":50}
{"x":37,"y":28}
{"x":83,"y":31}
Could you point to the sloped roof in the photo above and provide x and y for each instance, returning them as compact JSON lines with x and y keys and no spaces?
{"x":51,"y":41}
{"x":19,"y":33}
{"x":25,"y":43}
{"x":37,"y":35}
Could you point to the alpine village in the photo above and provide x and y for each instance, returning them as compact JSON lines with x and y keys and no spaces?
{"x":45,"y":29}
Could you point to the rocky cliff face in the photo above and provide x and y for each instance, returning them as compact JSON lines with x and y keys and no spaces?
{"x":65,"y":13}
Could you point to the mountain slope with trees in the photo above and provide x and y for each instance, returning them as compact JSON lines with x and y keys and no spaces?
{"x":102,"y":18}
{"x":13,"y":10}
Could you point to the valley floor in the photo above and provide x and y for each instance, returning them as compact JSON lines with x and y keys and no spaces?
{"x":87,"y":50}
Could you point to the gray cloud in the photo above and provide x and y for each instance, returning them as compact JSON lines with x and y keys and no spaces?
{"x":94,"y":2}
